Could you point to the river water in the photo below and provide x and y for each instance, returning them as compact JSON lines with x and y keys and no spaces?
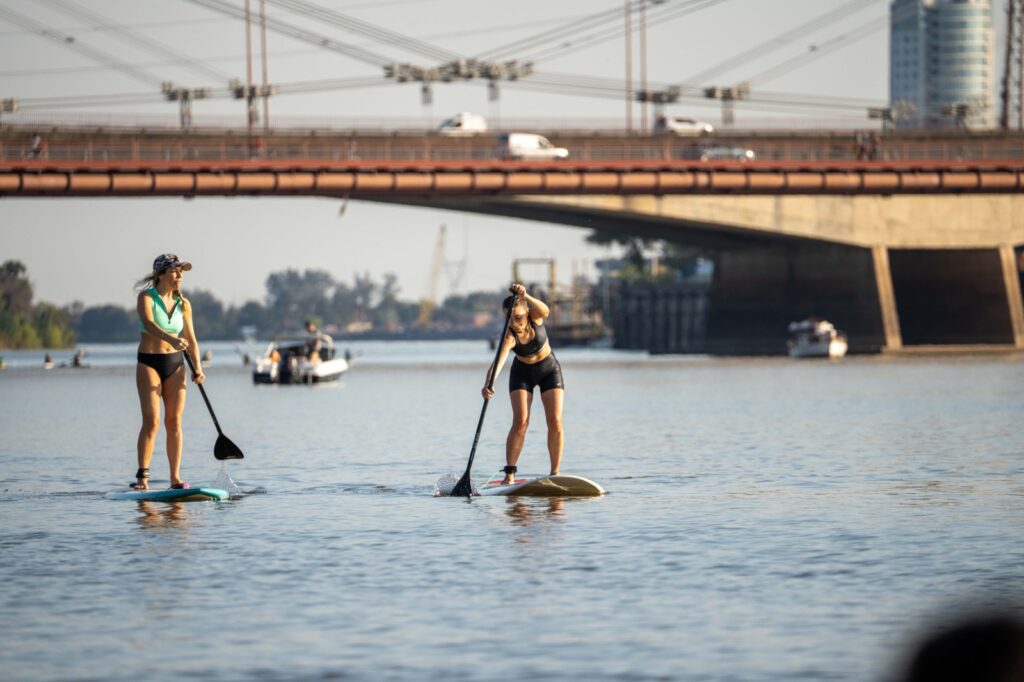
{"x":766,"y":520}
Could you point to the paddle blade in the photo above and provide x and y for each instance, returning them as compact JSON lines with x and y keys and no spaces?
{"x":464,"y":488}
{"x":225,"y":449}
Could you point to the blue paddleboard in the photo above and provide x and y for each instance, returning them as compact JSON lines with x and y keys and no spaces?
{"x":171,"y":495}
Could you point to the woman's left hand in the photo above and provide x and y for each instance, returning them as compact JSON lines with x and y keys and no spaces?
{"x":198,"y":377}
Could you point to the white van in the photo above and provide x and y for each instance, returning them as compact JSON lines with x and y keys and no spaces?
{"x":681,"y":125}
{"x":463,"y":124}
{"x":529,"y":147}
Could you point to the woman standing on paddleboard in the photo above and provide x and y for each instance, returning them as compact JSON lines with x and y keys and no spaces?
{"x":165,"y":326}
{"x":534,"y":365}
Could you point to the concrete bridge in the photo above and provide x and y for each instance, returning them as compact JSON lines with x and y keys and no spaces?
{"x":897,"y":253}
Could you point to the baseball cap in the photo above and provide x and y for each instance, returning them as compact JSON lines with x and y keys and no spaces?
{"x":166,"y":261}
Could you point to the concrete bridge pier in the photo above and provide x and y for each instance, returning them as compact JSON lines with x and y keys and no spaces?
{"x":886,"y":298}
{"x":1013,"y":275}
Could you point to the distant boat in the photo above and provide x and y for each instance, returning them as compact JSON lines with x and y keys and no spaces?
{"x":287,"y":361}
{"x":814,"y":338}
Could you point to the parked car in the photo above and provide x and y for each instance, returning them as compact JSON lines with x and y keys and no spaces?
{"x":528,"y":146}
{"x":463,"y":124}
{"x":682,"y":126}
{"x":718,"y":153}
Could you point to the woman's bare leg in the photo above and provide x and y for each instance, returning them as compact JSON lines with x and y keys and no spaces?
{"x":552,"y":401}
{"x":147,"y":381}
{"x":521,"y":401}
{"x":174,"y":407}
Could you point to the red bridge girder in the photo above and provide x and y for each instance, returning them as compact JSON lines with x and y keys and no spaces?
{"x":482,"y":178}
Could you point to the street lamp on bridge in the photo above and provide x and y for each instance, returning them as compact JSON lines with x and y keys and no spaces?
{"x":729,"y":96}
{"x":184,"y":97}
{"x":659,"y":98}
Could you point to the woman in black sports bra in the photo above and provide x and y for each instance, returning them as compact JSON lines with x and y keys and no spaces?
{"x":534,"y":365}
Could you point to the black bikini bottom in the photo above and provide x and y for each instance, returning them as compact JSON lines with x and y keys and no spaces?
{"x":165,"y":364}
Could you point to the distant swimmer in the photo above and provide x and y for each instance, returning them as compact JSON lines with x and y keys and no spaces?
{"x":207,"y":357}
{"x":166,"y":332}
{"x":47,"y":361}
{"x":534,"y":365}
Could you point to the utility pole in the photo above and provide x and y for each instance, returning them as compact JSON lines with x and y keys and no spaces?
{"x":263,"y":56}
{"x":629,"y":66}
{"x":252,"y":113}
{"x":643,"y":63}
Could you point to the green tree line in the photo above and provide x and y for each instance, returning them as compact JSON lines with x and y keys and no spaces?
{"x":291,"y":298}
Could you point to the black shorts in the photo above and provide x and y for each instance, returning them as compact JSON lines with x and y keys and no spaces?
{"x":547,"y":374}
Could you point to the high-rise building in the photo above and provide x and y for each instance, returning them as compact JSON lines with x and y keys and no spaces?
{"x":941,"y":63}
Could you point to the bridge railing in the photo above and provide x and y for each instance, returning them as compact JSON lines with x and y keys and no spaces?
{"x":648,"y":148}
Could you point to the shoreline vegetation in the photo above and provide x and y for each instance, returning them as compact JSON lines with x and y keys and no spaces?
{"x":363,"y":309}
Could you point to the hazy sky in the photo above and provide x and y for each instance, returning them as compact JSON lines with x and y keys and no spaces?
{"x":93,"y":249}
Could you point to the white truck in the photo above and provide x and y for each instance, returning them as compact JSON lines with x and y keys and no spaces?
{"x":463,"y":124}
{"x":529,"y":147}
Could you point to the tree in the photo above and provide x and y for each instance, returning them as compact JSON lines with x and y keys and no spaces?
{"x":15,"y":289}
{"x":108,"y":323}
{"x":293,"y":297}
{"x":23,"y":325}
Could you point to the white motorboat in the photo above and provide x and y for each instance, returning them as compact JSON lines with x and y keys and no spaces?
{"x":299,"y":360}
{"x":814,"y":338}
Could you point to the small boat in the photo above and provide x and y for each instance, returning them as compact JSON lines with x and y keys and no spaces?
{"x":298,"y":360}
{"x":814,"y":338}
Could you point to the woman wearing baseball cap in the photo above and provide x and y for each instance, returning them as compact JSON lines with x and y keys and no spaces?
{"x":165,"y":327}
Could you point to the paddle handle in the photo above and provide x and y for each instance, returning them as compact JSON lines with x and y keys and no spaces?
{"x":202,"y":391}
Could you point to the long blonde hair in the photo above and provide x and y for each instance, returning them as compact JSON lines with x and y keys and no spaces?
{"x":151,"y":280}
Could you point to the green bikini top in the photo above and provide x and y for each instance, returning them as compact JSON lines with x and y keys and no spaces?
{"x":171,"y":322}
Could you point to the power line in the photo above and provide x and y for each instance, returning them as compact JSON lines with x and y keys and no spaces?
{"x":72,"y":43}
{"x":147,"y":43}
{"x":780,"y":40}
{"x":656,"y":17}
{"x":366,"y":29}
{"x":819,"y":50}
{"x":299,"y":33}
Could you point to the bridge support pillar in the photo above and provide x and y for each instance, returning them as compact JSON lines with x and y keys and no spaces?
{"x":886,"y":298}
{"x":1011,"y":280}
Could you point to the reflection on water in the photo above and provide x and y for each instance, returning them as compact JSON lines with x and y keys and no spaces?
{"x":162,"y":515}
{"x":528,"y":511}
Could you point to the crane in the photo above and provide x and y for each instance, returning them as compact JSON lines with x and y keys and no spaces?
{"x":429,"y":302}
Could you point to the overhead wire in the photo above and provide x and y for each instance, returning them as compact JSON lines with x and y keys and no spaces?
{"x":367,"y":29}
{"x":70,"y":42}
{"x":299,"y":33}
{"x":780,"y":40}
{"x":145,"y":42}
{"x":819,"y":50}
{"x":655,"y":17}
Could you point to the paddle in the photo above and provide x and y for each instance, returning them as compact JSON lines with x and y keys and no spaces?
{"x":465,"y":485}
{"x":223,"y":448}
